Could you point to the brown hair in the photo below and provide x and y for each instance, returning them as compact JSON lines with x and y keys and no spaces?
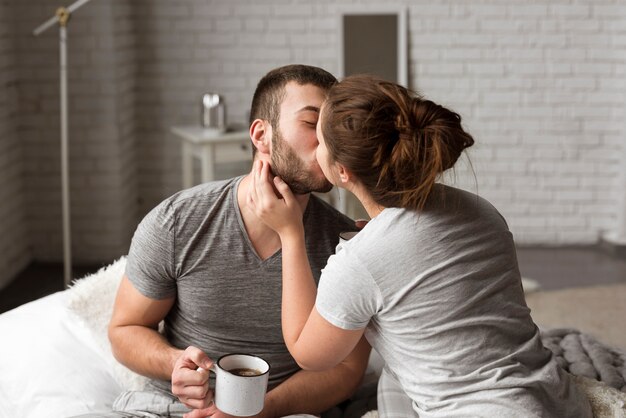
{"x":270,"y":91}
{"x":391,"y":139}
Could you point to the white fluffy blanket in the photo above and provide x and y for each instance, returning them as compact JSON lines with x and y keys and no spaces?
{"x":606,"y":402}
{"x":92,"y":299}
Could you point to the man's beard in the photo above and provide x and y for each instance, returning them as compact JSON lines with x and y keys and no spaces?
{"x":288,"y":166}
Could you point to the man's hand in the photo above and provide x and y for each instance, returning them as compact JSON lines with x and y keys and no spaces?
{"x":210,"y":411}
{"x":213,"y":412}
{"x":190,"y":379}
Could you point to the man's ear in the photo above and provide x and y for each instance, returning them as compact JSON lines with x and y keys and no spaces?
{"x":261,"y":135}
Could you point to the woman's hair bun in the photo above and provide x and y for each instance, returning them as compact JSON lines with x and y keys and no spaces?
{"x":393,"y":140}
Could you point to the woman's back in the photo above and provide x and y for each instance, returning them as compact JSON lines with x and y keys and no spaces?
{"x":443,"y":289}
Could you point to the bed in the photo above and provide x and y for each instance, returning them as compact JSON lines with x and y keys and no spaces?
{"x":56,"y":359}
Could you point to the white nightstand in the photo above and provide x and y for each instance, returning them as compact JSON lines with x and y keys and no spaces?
{"x":210,"y":146}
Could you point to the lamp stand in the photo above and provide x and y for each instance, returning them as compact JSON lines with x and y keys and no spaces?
{"x":62,"y":17}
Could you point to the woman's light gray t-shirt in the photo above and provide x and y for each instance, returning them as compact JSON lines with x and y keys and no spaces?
{"x":194,"y":245}
{"x":440,"y":294}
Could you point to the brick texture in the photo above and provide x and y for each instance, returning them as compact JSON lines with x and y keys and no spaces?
{"x":15,"y":253}
{"x":541,"y":87}
{"x":103,"y":177}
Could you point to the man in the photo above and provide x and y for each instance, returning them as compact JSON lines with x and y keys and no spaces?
{"x":206,"y":265}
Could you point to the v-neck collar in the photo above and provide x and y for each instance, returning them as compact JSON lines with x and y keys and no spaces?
{"x":242,"y":228}
{"x":244,"y":233}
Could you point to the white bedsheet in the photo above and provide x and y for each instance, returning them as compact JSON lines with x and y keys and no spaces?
{"x":50,"y":365}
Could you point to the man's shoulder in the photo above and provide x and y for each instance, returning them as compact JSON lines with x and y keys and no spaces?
{"x":204,"y":190}
{"x":200,"y":196}
{"x":197,"y":199}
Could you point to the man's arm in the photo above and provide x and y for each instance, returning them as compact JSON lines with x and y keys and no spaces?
{"x":134,"y":336}
{"x":136,"y":343}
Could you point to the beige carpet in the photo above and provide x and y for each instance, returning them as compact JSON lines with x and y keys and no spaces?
{"x":599,"y":311}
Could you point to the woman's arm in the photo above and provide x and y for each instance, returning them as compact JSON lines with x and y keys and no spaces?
{"x":316,"y":391}
{"x":313,"y":342}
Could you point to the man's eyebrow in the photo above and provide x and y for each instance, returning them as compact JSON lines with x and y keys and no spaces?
{"x":309,"y":109}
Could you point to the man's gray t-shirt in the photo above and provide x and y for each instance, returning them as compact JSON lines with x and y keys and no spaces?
{"x":194,"y":245}
{"x":440,"y":293}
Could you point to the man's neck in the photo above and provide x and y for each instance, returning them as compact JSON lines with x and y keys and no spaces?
{"x":264,"y":239}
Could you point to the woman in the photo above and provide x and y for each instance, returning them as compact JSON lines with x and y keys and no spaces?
{"x":431,"y":281}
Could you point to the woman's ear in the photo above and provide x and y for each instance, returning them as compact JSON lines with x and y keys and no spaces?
{"x":261,"y":135}
{"x":344,"y":175}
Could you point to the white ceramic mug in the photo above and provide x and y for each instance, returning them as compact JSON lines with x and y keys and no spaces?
{"x":240,"y":395}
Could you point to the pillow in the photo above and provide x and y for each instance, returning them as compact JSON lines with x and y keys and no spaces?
{"x":49,"y":363}
{"x":91,"y":299}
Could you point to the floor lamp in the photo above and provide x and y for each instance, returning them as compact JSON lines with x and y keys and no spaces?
{"x":62,"y":17}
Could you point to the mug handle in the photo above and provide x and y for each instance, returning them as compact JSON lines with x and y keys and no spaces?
{"x":211,"y":369}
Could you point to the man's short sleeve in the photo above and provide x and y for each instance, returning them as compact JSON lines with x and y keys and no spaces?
{"x":150,"y":264}
{"x":347,"y":296}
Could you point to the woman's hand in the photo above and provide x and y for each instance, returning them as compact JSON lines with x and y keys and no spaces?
{"x":273,"y":202}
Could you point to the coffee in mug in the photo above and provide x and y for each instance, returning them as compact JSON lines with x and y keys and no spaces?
{"x":243,"y":371}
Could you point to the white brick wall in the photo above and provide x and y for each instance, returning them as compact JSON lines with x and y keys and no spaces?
{"x":541,"y":85}
{"x":103,"y":180}
{"x":551,"y":116}
{"x":212,"y":46}
{"x":14,"y":250}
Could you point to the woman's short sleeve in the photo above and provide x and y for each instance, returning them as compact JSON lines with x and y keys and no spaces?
{"x":347,"y":295}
